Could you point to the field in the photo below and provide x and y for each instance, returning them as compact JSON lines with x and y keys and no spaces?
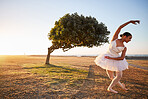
{"x":66,"y":78}
{"x":143,"y":63}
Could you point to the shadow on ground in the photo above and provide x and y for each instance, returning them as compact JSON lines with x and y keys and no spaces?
{"x":95,"y":90}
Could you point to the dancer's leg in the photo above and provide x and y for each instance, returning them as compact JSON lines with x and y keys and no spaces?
{"x":115,"y":81}
{"x":111,"y":76}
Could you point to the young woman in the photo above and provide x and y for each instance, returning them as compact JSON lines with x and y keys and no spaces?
{"x":112,"y":61}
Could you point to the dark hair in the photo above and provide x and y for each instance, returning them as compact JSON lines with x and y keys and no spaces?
{"x":126,"y":34}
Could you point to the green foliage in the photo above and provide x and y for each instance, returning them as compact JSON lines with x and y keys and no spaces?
{"x":76,"y":31}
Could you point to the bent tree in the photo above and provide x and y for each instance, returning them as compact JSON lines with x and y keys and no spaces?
{"x":75,"y":31}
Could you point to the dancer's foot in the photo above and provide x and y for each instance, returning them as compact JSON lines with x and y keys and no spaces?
{"x":111,"y":90}
{"x":124,"y":87}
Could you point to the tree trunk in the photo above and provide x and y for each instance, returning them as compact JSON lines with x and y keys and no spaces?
{"x":50,"y":50}
{"x":48,"y":57}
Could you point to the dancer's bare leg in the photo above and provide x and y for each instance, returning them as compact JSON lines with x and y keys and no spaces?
{"x":115,"y":81}
{"x":111,"y":76}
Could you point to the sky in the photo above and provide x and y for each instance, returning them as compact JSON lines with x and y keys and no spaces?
{"x":25,"y":24}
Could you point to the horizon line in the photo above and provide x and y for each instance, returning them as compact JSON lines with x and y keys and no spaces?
{"x":73,"y":55}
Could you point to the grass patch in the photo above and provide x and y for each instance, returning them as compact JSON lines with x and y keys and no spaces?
{"x":57,"y":74}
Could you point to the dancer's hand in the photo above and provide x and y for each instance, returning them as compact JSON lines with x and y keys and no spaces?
{"x":135,"y":22}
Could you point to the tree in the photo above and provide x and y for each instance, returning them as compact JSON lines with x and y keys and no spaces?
{"x":75,"y":31}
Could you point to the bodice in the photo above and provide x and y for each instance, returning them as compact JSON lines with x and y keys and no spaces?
{"x":114,"y":50}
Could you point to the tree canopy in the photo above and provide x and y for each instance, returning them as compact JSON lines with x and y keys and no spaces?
{"x":77,"y":30}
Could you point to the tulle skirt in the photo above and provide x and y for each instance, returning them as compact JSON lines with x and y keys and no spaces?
{"x":109,"y":64}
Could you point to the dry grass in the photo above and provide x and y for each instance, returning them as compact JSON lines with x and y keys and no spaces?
{"x":65,"y":78}
{"x":139,"y":62}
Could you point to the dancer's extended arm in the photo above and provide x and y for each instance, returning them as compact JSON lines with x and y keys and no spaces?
{"x":118,"y":58}
{"x":115,"y":36}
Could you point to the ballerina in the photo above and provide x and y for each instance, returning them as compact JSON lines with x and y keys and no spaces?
{"x":112,"y":61}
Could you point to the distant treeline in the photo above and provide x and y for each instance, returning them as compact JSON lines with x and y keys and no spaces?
{"x":137,"y":57}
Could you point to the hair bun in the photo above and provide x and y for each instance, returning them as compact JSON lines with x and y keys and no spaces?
{"x":121,"y":35}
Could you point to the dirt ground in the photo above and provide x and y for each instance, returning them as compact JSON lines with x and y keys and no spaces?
{"x":17,"y":82}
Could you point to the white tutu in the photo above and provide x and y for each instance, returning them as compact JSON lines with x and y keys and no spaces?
{"x":110,"y":64}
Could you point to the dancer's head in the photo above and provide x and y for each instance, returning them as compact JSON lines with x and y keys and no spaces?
{"x":126,"y":36}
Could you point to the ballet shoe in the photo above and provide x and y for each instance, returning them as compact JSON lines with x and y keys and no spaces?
{"x":111,"y":90}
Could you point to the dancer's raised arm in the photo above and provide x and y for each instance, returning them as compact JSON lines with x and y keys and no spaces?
{"x":115,"y":36}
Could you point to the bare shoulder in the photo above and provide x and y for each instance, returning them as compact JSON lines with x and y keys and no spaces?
{"x":114,"y":39}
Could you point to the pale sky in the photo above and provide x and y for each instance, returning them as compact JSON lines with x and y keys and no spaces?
{"x":24,"y":24}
